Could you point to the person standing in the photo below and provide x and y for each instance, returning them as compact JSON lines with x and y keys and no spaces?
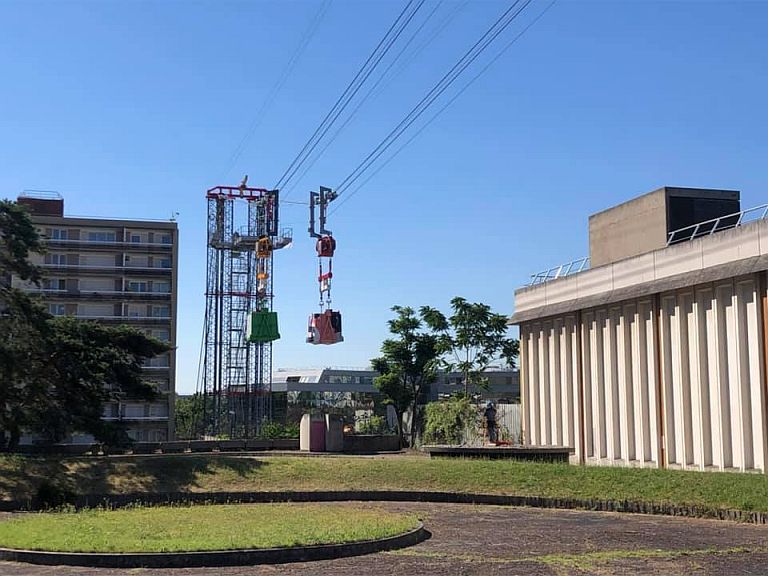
{"x":490,"y":422}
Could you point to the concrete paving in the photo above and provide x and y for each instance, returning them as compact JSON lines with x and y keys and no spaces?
{"x":490,"y":540}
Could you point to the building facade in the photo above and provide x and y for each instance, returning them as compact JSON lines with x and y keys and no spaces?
{"x":352,"y":390}
{"x":657,"y":356}
{"x":116,"y":272}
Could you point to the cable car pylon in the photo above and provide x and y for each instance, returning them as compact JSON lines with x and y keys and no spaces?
{"x":324,"y":326}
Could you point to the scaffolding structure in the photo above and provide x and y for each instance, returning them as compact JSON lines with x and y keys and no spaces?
{"x":236,"y":376}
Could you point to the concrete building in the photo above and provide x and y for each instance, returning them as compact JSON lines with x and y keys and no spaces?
{"x":118,"y":272}
{"x":353,"y":389}
{"x":656,"y":355}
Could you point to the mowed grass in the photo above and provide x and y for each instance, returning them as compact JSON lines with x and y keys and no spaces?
{"x":189,"y":528}
{"x":20,"y":478}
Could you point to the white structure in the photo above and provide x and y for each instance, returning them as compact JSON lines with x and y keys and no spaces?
{"x":654,"y":360}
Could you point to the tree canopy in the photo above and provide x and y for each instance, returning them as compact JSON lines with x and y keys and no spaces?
{"x":471,"y":340}
{"x":408,"y":363}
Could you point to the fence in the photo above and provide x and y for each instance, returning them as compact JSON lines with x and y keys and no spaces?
{"x":509,"y":421}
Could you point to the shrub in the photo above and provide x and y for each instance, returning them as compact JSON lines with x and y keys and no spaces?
{"x":372,"y":425}
{"x":52,"y":496}
{"x":448,"y":420}
{"x":275,"y":430}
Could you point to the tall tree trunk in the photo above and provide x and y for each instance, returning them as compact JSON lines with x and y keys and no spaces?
{"x":400,"y":416}
{"x":13,"y":440}
{"x":414,"y":424}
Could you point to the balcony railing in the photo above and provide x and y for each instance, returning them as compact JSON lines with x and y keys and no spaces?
{"x":136,"y":418}
{"x":107,"y":267}
{"x":87,"y":292}
{"x":116,"y":243}
{"x":123,"y":317}
{"x":561,"y":271}
{"x":709,"y":227}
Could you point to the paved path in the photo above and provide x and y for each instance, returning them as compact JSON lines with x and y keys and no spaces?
{"x":491,"y":540}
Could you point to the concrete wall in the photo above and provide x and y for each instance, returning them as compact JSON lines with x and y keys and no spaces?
{"x":631,"y":228}
{"x":670,"y":379}
{"x":641,"y":225}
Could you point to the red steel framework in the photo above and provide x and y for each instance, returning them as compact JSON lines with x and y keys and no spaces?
{"x":236,"y":375}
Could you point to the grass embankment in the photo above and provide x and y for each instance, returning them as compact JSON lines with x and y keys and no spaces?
{"x":194,"y":528}
{"x":21,"y":477}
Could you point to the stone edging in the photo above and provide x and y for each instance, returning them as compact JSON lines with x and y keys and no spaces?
{"x":217,"y":557}
{"x":627,"y":506}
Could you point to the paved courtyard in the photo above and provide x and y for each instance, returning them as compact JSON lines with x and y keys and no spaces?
{"x":489,"y":540}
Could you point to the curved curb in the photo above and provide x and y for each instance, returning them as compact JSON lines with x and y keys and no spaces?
{"x":624,"y":506}
{"x":596,"y":505}
{"x":215,"y":558}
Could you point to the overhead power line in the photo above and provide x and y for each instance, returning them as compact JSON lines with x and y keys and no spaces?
{"x":434,"y":117}
{"x":443,"y":84}
{"x":373,"y":92}
{"x":384,"y":45}
{"x":258,"y":118}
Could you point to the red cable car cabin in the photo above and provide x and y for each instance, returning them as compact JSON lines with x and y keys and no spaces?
{"x":326,"y":245}
{"x":325,"y":328}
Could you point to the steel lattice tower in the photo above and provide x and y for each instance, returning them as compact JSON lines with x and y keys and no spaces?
{"x":236,"y":374}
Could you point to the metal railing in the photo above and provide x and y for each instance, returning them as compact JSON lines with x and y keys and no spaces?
{"x":709,"y":227}
{"x":561,"y":271}
{"x":116,"y":243}
{"x":106,"y":267}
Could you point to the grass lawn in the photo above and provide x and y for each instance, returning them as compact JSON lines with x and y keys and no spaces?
{"x":20,"y":478}
{"x":186,"y":528}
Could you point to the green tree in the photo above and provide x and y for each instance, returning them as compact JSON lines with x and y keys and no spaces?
{"x":408,"y":363}
{"x":471,"y":339}
{"x":188,"y":414}
{"x":56,"y":373}
{"x":22,"y":321}
{"x":18,"y":238}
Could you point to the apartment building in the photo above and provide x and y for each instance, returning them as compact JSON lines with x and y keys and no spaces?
{"x":117,"y":272}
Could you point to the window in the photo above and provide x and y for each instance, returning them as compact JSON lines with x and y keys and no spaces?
{"x":164,"y":263}
{"x":161,"y":384}
{"x":161,"y":287}
{"x":163,"y":361}
{"x":57,"y":309}
{"x":162,"y":334}
{"x":161,"y":311}
{"x":58,"y":259}
{"x":110,"y":411}
{"x":54,"y":284}
{"x":133,"y":410}
{"x":134,"y":312}
{"x":101,"y":236}
{"x":158,"y":410}
{"x":58,"y":234}
{"x":134,"y":286}
{"x":165,"y":238}
{"x":136,"y":238}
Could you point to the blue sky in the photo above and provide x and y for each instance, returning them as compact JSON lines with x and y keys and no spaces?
{"x":134,"y":109}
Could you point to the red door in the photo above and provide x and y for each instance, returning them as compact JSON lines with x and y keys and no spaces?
{"x":317,"y":436}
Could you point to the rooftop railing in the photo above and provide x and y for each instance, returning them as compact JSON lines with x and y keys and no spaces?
{"x":709,"y":227}
{"x":561,"y":271}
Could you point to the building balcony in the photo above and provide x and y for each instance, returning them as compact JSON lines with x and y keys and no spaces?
{"x":102,"y":294}
{"x":125,"y":319}
{"x":135,"y":418}
{"x":113,"y":244}
{"x":79,"y":269}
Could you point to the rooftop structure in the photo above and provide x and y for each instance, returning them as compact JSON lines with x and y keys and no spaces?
{"x":656,"y":356}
